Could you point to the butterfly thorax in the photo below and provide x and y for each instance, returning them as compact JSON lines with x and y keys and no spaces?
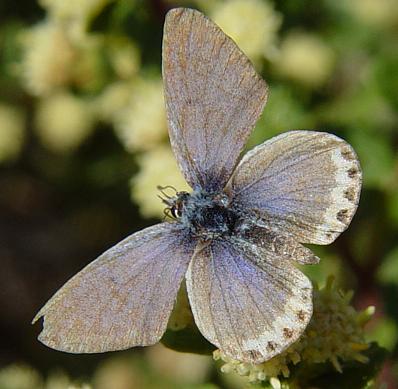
{"x":207,"y":215}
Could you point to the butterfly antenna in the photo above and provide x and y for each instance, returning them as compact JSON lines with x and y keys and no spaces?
{"x":166,"y":214}
{"x":163,"y":189}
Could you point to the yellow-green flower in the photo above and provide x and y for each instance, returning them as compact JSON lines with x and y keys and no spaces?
{"x":124,"y":56}
{"x":377,"y":13}
{"x":64,"y":10}
{"x":63,"y":122}
{"x":157,"y":167}
{"x":181,"y":316}
{"x":90,"y":71}
{"x":113,"y":100}
{"x":305,"y":58}
{"x":75,"y":14}
{"x":142,"y":124}
{"x":48,"y":59}
{"x":12,"y":132}
{"x":20,"y":377}
{"x":118,"y":372}
{"x":252,"y":24}
{"x":186,"y":369}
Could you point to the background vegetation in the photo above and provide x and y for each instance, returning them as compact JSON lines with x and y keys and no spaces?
{"x":83,"y":144}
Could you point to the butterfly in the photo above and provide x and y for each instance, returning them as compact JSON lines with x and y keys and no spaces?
{"x":236,"y":237}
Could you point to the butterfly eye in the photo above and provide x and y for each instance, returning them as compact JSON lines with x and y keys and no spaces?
{"x":175,"y":211}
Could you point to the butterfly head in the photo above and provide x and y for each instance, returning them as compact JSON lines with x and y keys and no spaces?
{"x":175,"y":203}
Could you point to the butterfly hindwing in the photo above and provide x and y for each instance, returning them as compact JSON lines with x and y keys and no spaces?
{"x":280,"y":243}
{"x":213,"y":97}
{"x":123,"y":298}
{"x":248,"y":301}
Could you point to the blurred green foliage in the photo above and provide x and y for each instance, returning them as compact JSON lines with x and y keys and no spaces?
{"x":81,"y":121}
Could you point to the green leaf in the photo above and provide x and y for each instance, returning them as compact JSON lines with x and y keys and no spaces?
{"x":188,"y":340}
{"x":388,"y":270}
{"x":385,"y":333}
{"x":101,"y":21}
{"x":283,"y":112}
{"x":392,"y":203}
{"x":376,"y":155}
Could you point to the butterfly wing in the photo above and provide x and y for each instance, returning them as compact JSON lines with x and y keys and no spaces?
{"x":248,"y":301}
{"x":122,"y":299}
{"x":283,"y":245}
{"x":213,"y":97}
{"x":305,"y":182}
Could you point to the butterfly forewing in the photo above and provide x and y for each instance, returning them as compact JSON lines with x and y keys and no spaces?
{"x":306,"y":183}
{"x":123,"y":298}
{"x":213,"y":97}
{"x":247,"y":300}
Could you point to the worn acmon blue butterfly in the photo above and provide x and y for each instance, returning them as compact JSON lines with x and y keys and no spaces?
{"x":236,"y":237}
